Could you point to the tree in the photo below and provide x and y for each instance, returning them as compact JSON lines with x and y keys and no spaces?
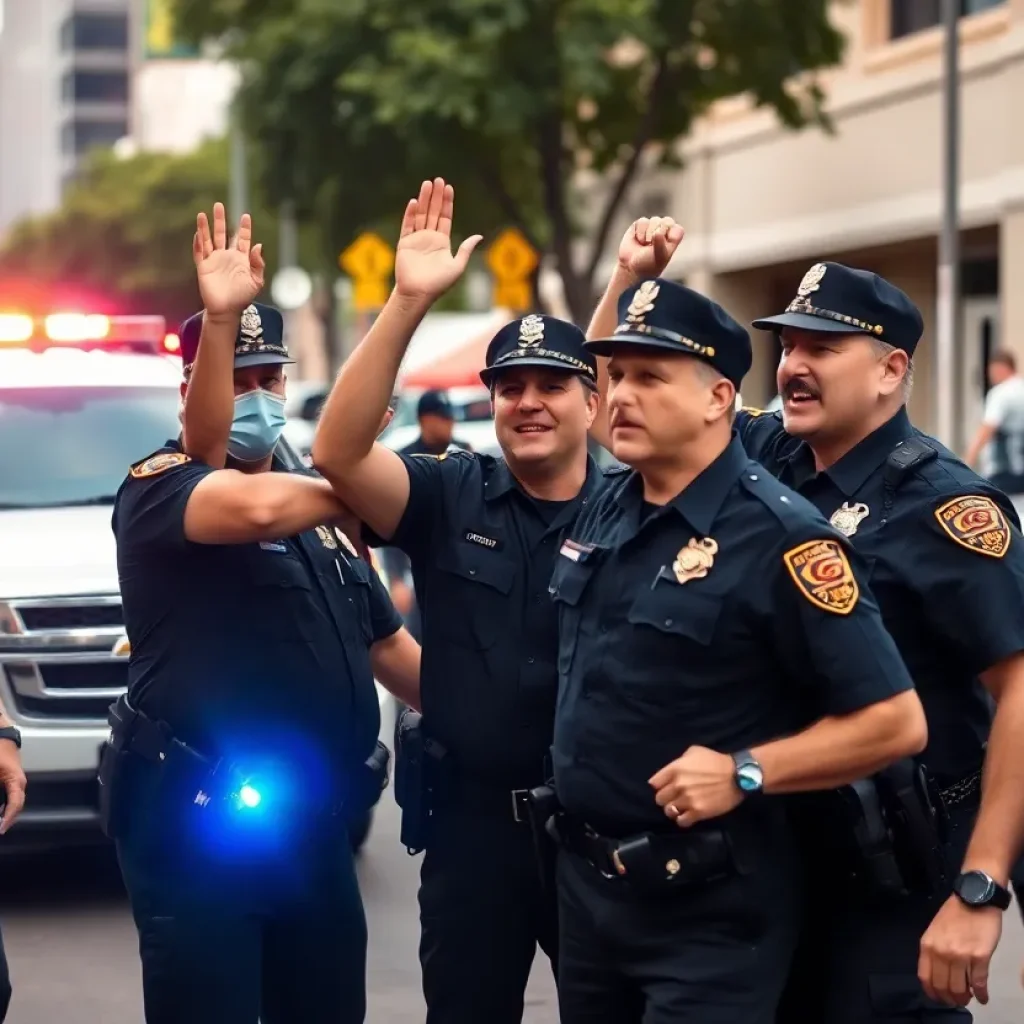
{"x":123,"y":235}
{"x":354,"y":101}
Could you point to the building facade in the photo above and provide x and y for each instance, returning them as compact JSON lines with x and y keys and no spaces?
{"x":64,"y":89}
{"x":761,"y":203}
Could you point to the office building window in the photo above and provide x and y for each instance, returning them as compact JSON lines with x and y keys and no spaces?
{"x":909,"y":16}
{"x":80,"y":136}
{"x":95,"y":31}
{"x":96,"y":86}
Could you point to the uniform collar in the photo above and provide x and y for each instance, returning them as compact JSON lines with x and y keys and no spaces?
{"x":852,"y":471}
{"x":700,"y":503}
{"x":501,"y":480}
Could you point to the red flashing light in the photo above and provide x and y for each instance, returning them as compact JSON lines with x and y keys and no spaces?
{"x":172,"y":344}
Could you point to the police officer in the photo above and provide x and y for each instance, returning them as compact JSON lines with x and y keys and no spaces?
{"x":242,"y":747}
{"x":482,"y":535}
{"x":12,"y":799}
{"x":946,"y":563}
{"x":718,"y":645}
{"x":436,"y":420}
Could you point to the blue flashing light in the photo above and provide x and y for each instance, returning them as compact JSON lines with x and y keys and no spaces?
{"x":249,"y":796}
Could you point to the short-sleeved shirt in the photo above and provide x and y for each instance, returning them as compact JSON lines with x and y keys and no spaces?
{"x":731,"y":616}
{"x":248,"y":647}
{"x":945,"y":559}
{"x":481,"y":550}
{"x":1004,"y":411}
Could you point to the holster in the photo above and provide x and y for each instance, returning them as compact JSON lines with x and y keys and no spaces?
{"x":419,"y":771}
{"x":900,"y":830}
{"x":543,"y":806}
{"x":370,"y":782}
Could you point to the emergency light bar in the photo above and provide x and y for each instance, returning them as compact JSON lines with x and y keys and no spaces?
{"x":88,"y":330}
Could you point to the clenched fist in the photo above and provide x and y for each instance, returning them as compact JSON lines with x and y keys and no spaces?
{"x":697,"y":786}
{"x":648,"y":245}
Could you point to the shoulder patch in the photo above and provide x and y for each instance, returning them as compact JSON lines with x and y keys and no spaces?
{"x":976,"y":523}
{"x":157,"y":464}
{"x":823,"y":575}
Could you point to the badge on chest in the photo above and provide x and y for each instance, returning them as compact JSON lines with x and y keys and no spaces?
{"x":848,"y":518}
{"x":696,"y":560}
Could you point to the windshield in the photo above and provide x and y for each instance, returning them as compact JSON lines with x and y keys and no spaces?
{"x":477,"y":410}
{"x":72,"y":446}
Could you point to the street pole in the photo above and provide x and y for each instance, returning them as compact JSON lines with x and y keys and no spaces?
{"x":947,"y":349}
{"x":238,"y":199}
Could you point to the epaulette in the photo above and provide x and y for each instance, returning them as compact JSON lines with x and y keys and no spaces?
{"x":787,"y":506}
{"x":452,"y":453}
{"x":910,"y":454}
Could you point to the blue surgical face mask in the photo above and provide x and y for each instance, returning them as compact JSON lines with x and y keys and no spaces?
{"x":257,"y":426}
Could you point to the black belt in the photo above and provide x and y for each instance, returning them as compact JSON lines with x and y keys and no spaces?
{"x":666,"y":859}
{"x":486,"y":799}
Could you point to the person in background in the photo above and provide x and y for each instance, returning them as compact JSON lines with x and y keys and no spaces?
{"x":998,"y":446}
{"x":437,"y":423}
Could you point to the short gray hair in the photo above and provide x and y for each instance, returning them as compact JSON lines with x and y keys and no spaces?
{"x":883,"y":349}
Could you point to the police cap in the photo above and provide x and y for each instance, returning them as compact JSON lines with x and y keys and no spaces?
{"x":537,"y":340}
{"x":260,"y":338}
{"x":664,"y":315}
{"x":840,"y":299}
{"x":435,"y":403}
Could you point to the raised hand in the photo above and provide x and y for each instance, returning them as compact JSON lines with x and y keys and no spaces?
{"x":425,"y":267}
{"x":230,"y":276}
{"x":648,"y":245}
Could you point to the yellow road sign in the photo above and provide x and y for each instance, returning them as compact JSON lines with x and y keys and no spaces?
{"x":514,"y":295}
{"x":369,"y":261}
{"x":511,"y":257}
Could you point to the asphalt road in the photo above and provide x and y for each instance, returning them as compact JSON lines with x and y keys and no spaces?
{"x":73,"y":957}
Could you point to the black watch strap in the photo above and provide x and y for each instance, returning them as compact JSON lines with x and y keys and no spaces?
{"x":9,"y":732}
{"x":977,"y":889}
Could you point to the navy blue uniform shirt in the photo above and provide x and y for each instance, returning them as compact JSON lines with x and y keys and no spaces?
{"x":732,"y":616}
{"x":481,"y":551}
{"x":945,"y":559}
{"x":262,"y":645}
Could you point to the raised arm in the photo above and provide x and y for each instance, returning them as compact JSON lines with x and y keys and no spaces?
{"x":371,"y":479}
{"x":645,"y":251}
{"x":230,"y":277}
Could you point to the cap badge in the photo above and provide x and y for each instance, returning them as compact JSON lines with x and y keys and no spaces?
{"x":811,"y":280}
{"x":531,"y":331}
{"x":252,"y":325}
{"x":849,"y":517}
{"x":643,"y":302}
{"x":695,"y":561}
{"x":326,"y":538}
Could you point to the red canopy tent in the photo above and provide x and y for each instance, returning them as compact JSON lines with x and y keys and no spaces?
{"x":460,"y":368}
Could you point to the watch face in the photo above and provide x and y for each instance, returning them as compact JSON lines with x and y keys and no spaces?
{"x":751,"y":778}
{"x":976,"y":888}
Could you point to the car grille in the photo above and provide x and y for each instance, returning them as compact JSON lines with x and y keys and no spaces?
{"x":57,"y":660}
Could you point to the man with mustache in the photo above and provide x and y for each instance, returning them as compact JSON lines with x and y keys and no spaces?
{"x":948,"y":570}
{"x":678,"y":887}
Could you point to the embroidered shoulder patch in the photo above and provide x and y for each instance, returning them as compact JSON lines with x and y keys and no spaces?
{"x":976,"y":523}
{"x":823,"y":574}
{"x":158,"y":464}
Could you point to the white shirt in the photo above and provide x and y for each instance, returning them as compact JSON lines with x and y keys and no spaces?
{"x":1004,"y":410}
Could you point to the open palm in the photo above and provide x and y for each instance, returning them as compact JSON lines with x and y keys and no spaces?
{"x":230,"y":276}
{"x":425,"y":266}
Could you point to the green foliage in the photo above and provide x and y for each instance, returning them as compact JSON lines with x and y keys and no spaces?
{"x":354,"y":101}
{"x":124,"y":231}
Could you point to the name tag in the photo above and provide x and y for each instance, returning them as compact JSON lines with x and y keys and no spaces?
{"x":274,"y":545}
{"x":576,"y":552}
{"x":484,"y":542}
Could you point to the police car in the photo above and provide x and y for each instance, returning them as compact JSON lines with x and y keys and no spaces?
{"x":81,"y":398}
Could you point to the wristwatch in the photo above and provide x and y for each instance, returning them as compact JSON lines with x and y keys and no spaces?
{"x":749,"y":774}
{"x":976,"y":889}
{"x":8,"y":732}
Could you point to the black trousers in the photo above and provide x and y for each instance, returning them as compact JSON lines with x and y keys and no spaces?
{"x":235,"y":932}
{"x":858,"y":952}
{"x":714,"y":953}
{"x":484,"y":908}
{"x":5,"y":983}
